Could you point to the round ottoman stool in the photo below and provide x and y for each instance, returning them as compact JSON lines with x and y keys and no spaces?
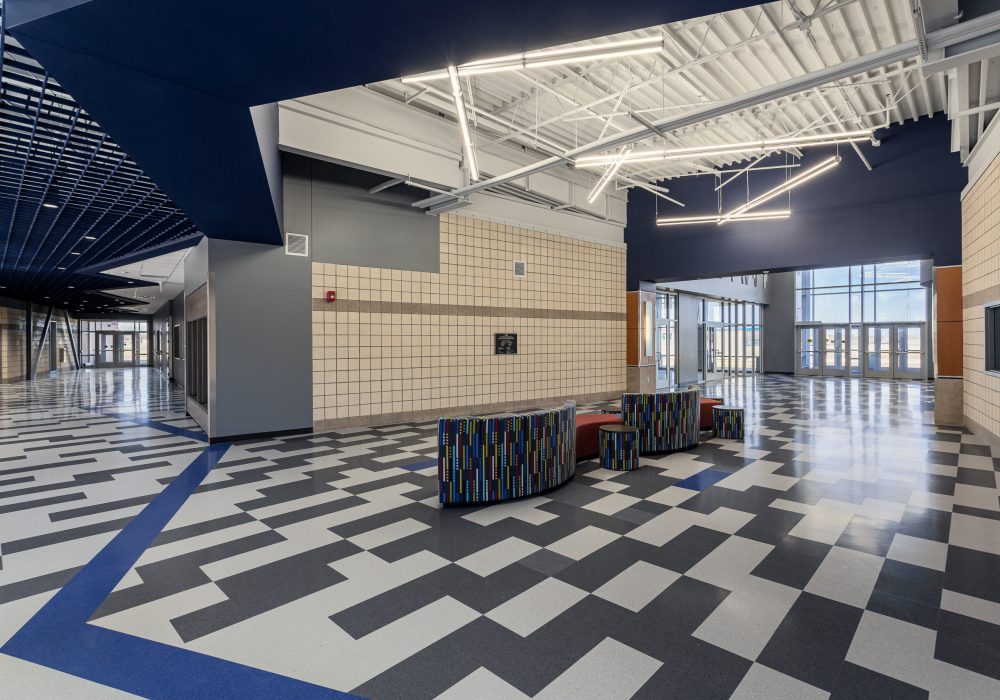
{"x":619,"y":447}
{"x":727,"y":422}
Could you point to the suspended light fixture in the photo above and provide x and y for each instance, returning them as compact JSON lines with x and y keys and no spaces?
{"x":608,"y":174}
{"x":463,"y":124}
{"x":778,"y":144}
{"x":717,"y":218}
{"x":789,"y":184}
{"x":548,"y":57}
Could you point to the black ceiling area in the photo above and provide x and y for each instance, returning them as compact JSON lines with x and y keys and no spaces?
{"x":70,"y":198}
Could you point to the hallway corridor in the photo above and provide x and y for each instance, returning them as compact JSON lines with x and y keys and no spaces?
{"x":846,"y":548}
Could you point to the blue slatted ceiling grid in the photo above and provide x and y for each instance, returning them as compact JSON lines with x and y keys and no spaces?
{"x":70,"y":198}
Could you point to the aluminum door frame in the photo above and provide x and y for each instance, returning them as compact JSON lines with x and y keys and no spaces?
{"x":824,"y":369}
{"x":897,"y":372}
{"x":817,"y":351}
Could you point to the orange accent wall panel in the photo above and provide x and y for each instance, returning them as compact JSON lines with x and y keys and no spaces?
{"x":948,"y":288}
{"x":949,"y":349}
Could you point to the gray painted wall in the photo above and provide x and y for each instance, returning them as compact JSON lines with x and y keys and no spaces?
{"x":779,"y":323}
{"x":196,"y":267}
{"x":262,"y":316}
{"x":724,"y":287}
{"x":177,"y":359}
{"x":349,"y":226}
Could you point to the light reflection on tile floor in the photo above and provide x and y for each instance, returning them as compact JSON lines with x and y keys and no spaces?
{"x":849,"y":549}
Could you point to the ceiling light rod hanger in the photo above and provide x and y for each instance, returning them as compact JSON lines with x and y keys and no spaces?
{"x":608,"y":174}
{"x":548,"y":57}
{"x":789,"y":184}
{"x":940,"y":38}
{"x":463,"y":124}
{"x":718,"y":218}
{"x":765,"y":145}
{"x":660,"y":192}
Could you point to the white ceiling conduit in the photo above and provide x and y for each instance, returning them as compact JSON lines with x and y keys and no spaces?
{"x":696,"y":97}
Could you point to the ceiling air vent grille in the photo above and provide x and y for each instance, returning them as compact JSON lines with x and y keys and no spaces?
{"x":520,"y":268}
{"x":297,"y":244}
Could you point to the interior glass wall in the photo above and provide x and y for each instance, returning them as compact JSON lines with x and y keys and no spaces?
{"x":862,"y":321}
{"x":114,"y":343}
{"x":666,"y":339}
{"x":731,"y":338}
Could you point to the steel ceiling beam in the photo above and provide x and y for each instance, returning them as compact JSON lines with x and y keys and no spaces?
{"x":941,"y":38}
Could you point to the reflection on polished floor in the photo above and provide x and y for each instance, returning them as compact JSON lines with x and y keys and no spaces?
{"x":846,"y":548}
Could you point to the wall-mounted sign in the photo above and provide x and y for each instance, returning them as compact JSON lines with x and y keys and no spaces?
{"x":505,"y":343}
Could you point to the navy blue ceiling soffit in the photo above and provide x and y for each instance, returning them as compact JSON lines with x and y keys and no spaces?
{"x":908,"y":207}
{"x":70,"y":198}
{"x":173,"y":80}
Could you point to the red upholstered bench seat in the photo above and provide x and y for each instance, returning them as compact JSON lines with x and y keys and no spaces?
{"x":588,"y":431}
{"x":704,"y":416}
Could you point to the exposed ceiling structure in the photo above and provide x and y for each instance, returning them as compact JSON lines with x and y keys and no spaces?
{"x":666,"y":99}
{"x":755,"y":75}
{"x":164,"y":272}
{"x":70,"y":198}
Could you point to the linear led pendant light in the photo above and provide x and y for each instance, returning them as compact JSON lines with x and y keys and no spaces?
{"x":777,"y":144}
{"x":463,"y":124}
{"x":608,"y":175}
{"x":717,"y":218}
{"x":548,"y":57}
{"x":789,"y":184}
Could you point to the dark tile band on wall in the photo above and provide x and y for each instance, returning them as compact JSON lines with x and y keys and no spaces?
{"x":983,"y":296}
{"x":394,"y":307}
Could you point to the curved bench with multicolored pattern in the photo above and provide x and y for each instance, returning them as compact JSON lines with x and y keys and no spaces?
{"x":497,"y":458}
{"x":666,"y":421}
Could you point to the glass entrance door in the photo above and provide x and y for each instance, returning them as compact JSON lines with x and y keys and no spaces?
{"x":835,"y":355}
{"x":807,"y":350}
{"x":125,"y":349}
{"x":878,"y":351}
{"x":105,"y":350}
{"x":115,"y":349}
{"x":909,"y":352}
{"x":714,"y":352}
{"x":854,"y":352}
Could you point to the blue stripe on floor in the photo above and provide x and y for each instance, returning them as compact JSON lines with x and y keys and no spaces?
{"x":158,"y":425}
{"x":59,"y":637}
{"x":702,"y":480}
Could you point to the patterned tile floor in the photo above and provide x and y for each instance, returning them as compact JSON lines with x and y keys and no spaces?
{"x":846,"y":548}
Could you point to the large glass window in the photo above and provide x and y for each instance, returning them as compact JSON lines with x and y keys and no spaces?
{"x":879,"y":293}
{"x":666,"y":339}
{"x":862,"y":321}
{"x":114,"y":343}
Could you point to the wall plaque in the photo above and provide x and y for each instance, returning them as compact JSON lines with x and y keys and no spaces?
{"x":505,"y":343}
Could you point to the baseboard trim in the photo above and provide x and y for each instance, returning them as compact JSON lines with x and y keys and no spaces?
{"x":435,"y":413}
{"x":259,"y":436}
{"x":980,"y":431}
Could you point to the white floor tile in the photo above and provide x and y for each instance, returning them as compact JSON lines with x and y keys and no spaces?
{"x":763,"y":683}
{"x":610,"y":671}
{"x":537,"y":606}
{"x":637,"y":586}
{"x":744,"y":622}
{"x":498,"y":556}
{"x":918,"y":551}
{"x":847,"y":576}
{"x":583,"y":542}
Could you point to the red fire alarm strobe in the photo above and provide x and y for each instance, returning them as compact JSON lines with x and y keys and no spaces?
{"x":331,"y":295}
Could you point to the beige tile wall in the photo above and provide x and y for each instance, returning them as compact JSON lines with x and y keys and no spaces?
{"x":980,"y":285}
{"x":398,"y":343}
{"x":11,"y":344}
